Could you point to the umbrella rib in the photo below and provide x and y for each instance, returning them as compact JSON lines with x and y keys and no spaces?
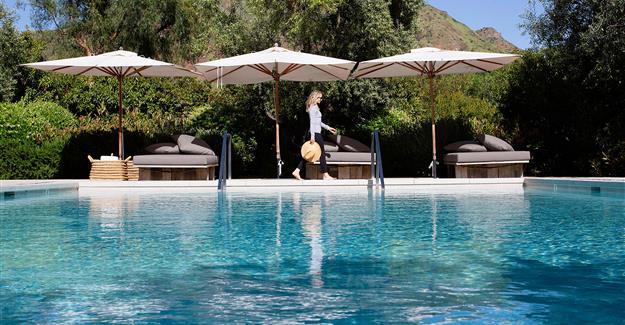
{"x":371,"y":66}
{"x":336,"y":66}
{"x":136,"y":71}
{"x":85,"y":71}
{"x":318,"y":68}
{"x":423,"y":68}
{"x":102,"y":70}
{"x":292,"y":67}
{"x":108,"y":70}
{"x":125,"y":74}
{"x":60,"y":68}
{"x":261,"y":68}
{"x":474,"y":66}
{"x":407,"y":65}
{"x":491,"y":62}
{"x":187,"y":70}
{"x":229,"y":72}
{"x":445,"y":67}
{"x":380,"y":68}
{"x":210,"y":70}
{"x":442,"y":66}
{"x":286,"y":70}
{"x":295,"y":68}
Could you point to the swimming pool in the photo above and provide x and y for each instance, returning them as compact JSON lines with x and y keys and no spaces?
{"x":527,"y":256}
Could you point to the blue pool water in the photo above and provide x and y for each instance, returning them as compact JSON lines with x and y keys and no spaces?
{"x":333,"y":257}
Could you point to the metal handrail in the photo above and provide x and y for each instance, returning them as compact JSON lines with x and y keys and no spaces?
{"x":225,"y":161}
{"x":377,"y":169}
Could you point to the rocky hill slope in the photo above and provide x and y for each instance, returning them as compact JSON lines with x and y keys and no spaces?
{"x":439,"y":29}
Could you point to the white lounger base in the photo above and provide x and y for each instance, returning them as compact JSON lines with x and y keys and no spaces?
{"x":176,"y":172}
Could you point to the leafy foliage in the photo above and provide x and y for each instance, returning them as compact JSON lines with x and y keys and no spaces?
{"x":509,"y":103}
{"x":15,"y":48}
{"x":33,"y":138}
{"x":168,"y":30}
{"x":567,"y":101}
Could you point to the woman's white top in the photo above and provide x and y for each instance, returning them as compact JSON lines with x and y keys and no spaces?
{"x":315,"y":121}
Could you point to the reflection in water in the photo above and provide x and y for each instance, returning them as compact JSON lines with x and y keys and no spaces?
{"x":278,"y":241}
{"x":311,"y":226}
{"x":434,"y":222}
{"x":107,"y":211}
{"x":278,"y":223}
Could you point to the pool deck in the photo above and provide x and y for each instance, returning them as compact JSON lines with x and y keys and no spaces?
{"x":35,"y":185}
{"x":9,"y":188}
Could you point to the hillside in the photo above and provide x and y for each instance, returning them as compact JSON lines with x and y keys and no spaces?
{"x":439,"y":29}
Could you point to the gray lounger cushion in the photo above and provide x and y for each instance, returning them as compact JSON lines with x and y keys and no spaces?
{"x":330,"y":147}
{"x":464,"y":146}
{"x":348,"y":144}
{"x":162,"y":148}
{"x":175,"y":160}
{"x":191,"y":145}
{"x":494,"y":143}
{"x":348,"y":157}
{"x":490,"y":156}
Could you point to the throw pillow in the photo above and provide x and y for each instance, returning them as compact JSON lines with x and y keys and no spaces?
{"x":494,"y":143}
{"x":191,"y":145}
{"x":349,"y":144}
{"x":330,"y":147}
{"x":163,"y":148}
{"x":464,"y":146}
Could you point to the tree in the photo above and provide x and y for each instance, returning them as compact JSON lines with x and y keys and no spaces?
{"x":567,"y":100}
{"x":351,"y":29}
{"x":168,"y":29}
{"x":15,"y":48}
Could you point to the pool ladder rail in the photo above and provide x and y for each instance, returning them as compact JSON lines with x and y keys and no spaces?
{"x":225,"y":161}
{"x":377,"y":171}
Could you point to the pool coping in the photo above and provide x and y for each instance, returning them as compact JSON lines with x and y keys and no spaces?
{"x":9,"y":188}
{"x":594,"y":185}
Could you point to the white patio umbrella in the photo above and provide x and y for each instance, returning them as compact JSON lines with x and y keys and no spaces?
{"x":275,"y":64}
{"x":118,"y":64}
{"x":431,"y":62}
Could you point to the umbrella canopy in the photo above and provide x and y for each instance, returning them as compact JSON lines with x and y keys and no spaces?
{"x":275,"y":64}
{"x":431,"y":62}
{"x":118,"y":64}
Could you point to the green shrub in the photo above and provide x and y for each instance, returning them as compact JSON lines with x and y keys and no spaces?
{"x":32,"y":139}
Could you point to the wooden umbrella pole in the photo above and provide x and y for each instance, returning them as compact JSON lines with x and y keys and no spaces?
{"x":120,"y":133}
{"x":277,"y":106}
{"x":432,"y":106}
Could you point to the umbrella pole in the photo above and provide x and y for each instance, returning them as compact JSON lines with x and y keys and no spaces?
{"x":120,"y":133}
{"x":277,"y":107}
{"x":432,"y":105}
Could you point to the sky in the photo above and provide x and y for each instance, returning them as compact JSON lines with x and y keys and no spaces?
{"x":503,"y":15}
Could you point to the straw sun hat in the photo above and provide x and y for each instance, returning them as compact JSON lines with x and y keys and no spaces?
{"x":311,"y":151}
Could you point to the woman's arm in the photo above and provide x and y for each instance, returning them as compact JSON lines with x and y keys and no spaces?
{"x":310,"y":128}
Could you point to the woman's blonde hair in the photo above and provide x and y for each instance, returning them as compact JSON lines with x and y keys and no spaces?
{"x":312,"y":98}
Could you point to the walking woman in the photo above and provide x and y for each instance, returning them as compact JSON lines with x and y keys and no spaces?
{"x":315,"y":133}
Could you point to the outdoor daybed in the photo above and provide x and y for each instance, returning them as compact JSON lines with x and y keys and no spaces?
{"x":347,"y":158}
{"x":488,"y":157}
{"x":189,"y":158}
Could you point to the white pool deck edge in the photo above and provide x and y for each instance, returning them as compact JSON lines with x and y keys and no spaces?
{"x":586,"y":184}
{"x":34,"y":185}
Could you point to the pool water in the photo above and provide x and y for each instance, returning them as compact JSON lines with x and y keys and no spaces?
{"x":332,"y":257}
